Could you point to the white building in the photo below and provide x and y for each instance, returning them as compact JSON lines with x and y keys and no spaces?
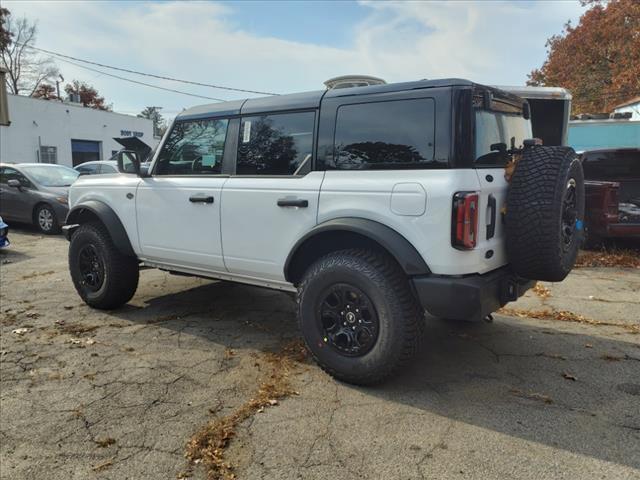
{"x":50,"y":131}
{"x":632,"y":106}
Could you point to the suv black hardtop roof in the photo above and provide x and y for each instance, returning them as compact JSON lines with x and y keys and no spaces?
{"x":310,"y":100}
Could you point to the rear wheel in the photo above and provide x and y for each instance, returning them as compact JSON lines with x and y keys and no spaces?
{"x":46,"y":220}
{"x":102,"y":276}
{"x":358,"y":316}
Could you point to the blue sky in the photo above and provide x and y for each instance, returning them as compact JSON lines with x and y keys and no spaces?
{"x":293,"y":46}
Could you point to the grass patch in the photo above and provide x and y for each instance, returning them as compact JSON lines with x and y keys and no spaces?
{"x":208,"y":444}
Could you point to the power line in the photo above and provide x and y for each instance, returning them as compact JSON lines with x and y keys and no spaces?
{"x":142,"y":83}
{"x":160,"y":77}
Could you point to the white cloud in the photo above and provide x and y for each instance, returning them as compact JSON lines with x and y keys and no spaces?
{"x":491,"y":42}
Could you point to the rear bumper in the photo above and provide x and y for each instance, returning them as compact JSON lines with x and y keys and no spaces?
{"x":623,"y":230}
{"x":469,"y":297}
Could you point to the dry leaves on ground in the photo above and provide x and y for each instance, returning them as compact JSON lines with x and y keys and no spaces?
{"x":541,"y":291}
{"x":208,"y":445}
{"x":565,"y":316}
{"x":608,"y":258}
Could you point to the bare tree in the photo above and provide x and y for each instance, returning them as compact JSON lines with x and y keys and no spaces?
{"x":26,"y":68}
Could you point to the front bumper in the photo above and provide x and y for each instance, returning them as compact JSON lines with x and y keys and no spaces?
{"x":469,"y":297}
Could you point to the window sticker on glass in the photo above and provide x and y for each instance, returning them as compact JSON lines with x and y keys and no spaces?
{"x":247,"y":132}
{"x":208,"y":160}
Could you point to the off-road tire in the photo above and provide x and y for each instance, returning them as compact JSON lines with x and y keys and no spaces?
{"x":121,"y":272}
{"x":401,"y":319}
{"x":55,"y":225}
{"x":536,"y":246}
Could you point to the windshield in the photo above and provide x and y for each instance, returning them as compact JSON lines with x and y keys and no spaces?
{"x":495,"y":128}
{"x":52,"y":175}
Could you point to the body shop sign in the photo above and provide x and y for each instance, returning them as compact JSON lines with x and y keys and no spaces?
{"x":129,"y":133}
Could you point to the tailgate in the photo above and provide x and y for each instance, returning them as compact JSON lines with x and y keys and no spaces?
{"x":491,"y":232}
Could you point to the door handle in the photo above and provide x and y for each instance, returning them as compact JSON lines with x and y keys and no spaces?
{"x":293,"y":202}
{"x":200,"y":199}
{"x":491,"y":227}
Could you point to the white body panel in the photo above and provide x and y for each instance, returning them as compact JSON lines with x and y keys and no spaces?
{"x":173,"y":229}
{"x":257,"y":234}
{"x":368,"y":194}
{"x":111,"y":190}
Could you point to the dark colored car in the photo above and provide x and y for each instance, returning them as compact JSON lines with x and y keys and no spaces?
{"x":612,"y":189}
{"x":36,"y":193}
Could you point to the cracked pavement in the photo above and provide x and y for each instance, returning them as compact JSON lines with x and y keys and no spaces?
{"x":86,"y":394}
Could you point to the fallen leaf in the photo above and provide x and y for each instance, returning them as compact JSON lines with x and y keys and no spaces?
{"x":611,"y":358}
{"x":105,"y":442}
{"x":20,"y":331}
{"x":102,"y":466}
{"x":569,"y":376}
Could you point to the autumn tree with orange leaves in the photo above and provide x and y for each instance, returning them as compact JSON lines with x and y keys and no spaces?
{"x":599,"y":59}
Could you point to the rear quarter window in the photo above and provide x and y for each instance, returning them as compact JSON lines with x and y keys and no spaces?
{"x":396,"y":134}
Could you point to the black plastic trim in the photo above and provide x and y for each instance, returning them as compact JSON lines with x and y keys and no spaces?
{"x":469,"y":297}
{"x":110,"y":220}
{"x":399,"y":247}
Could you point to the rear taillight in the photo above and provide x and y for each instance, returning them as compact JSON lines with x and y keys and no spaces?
{"x":464,"y":220}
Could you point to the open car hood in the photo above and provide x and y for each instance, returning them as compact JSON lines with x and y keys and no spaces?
{"x":135,"y":144}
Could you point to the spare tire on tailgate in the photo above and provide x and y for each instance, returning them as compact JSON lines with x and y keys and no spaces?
{"x":545,"y":213}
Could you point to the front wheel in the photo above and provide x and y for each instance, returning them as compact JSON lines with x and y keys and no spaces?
{"x":46,"y":220}
{"x":358,"y":316}
{"x":104,"y":278}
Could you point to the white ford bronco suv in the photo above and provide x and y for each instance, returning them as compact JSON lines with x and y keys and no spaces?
{"x":372,"y":204}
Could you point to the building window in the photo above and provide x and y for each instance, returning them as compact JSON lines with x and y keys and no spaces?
{"x":387,"y":135}
{"x":275,"y":144}
{"x":48,"y":154}
{"x":84,"y":151}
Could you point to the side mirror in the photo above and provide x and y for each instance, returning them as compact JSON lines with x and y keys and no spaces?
{"x":15,"y":183}
{"x":128,"y":162}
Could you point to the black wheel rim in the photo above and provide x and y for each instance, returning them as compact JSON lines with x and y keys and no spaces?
{"x":347,"y":320}
{"x":569,"y":213}
{"x":91,"y":268}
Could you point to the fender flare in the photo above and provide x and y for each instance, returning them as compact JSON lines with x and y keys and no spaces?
{"x":109,"y":219}
{"x":393,"y":242}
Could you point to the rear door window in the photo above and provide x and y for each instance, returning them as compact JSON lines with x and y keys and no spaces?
{"x":396,"y":134}
{"x":277,"y":144}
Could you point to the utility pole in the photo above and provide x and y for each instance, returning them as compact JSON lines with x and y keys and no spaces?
{"x":58,"y":86}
